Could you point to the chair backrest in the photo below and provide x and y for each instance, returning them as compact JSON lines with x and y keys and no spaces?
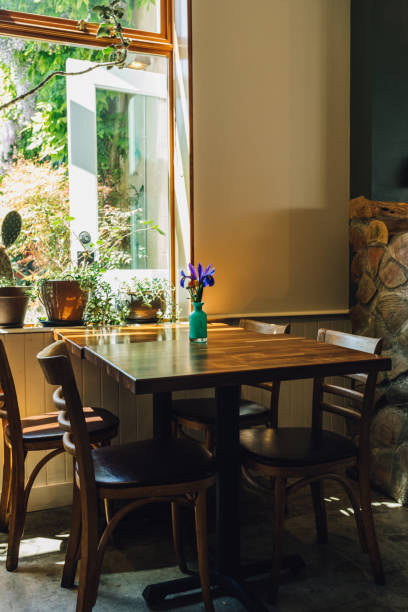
{"x":360,"y":403}
{"x":9,"y":411}
{"x":274,"y":388}
{"x":56,"y":365}
{"x":264,"y":328}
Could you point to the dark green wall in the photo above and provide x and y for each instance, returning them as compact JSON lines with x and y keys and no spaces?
{"x":379,"y":99}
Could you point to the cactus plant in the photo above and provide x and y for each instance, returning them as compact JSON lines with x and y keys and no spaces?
{"x":10,"y":230}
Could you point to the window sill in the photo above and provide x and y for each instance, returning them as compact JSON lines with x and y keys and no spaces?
{"x":27,"y":329}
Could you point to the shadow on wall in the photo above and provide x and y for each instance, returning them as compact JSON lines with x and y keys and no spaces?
{"x":271,"y":168}
{"x":289,"y":261}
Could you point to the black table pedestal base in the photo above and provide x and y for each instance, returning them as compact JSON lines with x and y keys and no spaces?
{"x":154,"y":593}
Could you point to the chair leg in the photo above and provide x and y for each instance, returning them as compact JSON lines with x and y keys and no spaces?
{"x":74,"y":542}
{"x":88,"y":573}
{"x":356,"y":509}
{"x":209,"y":439}
{"x":369,"y":527}
{"x":17,"y":517}
{"x":202,"y":548}
{"x":107,"y":506}
{"x":279,"y":516}
{"x":319,"y":511}
{"x":178,"y":536}
{"x":5,"y":489}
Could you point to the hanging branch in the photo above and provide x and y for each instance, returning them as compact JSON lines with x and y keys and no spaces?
{"x":32,"y":91}
{"x":111,"y":27}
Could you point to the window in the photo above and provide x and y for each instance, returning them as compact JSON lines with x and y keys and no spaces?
{"x":142,"y":15}
{"x":118,"y":157}
{"x":102,"y":151}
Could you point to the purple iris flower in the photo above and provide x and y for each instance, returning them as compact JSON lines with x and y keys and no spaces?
{"x":208,"y":281}
{"x":193,"y":271}
{"x":205,"y":277}
{"x":209,"y":270}
{"x":185,"y":276}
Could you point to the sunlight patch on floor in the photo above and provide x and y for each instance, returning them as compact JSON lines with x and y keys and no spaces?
{"x":35,"y":546}
{"x":387,"y":504}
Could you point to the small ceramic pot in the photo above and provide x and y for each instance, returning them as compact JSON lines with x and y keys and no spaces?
{"x":13,"y":306}
{"x":140,"y":312}
{"x":63,"y":300}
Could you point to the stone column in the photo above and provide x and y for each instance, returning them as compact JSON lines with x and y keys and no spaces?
{"x":379,"y":287}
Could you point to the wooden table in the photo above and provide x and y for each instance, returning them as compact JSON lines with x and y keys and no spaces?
{"x":159,"y":359}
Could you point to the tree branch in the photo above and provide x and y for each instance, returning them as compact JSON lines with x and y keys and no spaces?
{"x":119,"y":63}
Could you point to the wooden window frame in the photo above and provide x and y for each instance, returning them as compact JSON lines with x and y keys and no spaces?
{"x":67,"y":32}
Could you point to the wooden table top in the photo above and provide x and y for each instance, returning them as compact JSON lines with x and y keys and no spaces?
{"x":154,"y":358}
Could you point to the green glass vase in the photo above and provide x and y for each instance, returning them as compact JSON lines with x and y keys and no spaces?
{"x":198,"y":323}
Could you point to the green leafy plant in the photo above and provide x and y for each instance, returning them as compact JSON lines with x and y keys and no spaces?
{"x":7,"y":282}
{"x":10,"y":230}
{"x":101,"y":305}
{"x":40,"y":131}
{"x":146,"y":289}
{"x":151,"y":294}
{"x":112,"y":12}
{"x":104,"y":306}
{"x":40,"y":193}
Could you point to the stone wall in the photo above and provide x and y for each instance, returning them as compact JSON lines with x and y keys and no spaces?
{"x":379,"y":290}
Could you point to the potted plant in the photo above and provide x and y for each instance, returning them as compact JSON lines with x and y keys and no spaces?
{"x":148,"y":300}
{"x":64,"y":300}
{"x":65,"y":296}
{"x":104,"y":306}
{"x":79,"y":294}
{"x":13,"y":298}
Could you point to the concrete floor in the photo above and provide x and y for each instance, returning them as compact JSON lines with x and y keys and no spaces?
{"x":337,"y":576}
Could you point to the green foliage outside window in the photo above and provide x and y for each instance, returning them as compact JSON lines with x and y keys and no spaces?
{"x":75,"y":9}
{"x":34,"y":180}
{"x":38,"y":160}
{"x":45,"y":136}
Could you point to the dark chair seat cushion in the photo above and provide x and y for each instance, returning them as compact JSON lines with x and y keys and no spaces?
{"x":203,"y":410}
{"x":151,"y":463}
{"x":45,"y":428}
{"x":294,"y":446}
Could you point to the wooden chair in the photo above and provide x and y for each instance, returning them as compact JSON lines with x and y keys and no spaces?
{"x":199,"y":414}
{"x":35,"y":433}
{"x":313,"y":454}
{"x":169,"y":470}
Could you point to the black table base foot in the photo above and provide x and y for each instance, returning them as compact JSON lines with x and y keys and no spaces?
{"x":237,"y":588}
{"x":155,"y":593}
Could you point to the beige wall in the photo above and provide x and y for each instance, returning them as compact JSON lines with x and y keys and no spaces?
{"x":271,"y":154}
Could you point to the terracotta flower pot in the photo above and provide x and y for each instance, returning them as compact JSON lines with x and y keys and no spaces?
{"x":63,"y":300}
{"x":13,"y":306}
{"x":140,"y":312}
